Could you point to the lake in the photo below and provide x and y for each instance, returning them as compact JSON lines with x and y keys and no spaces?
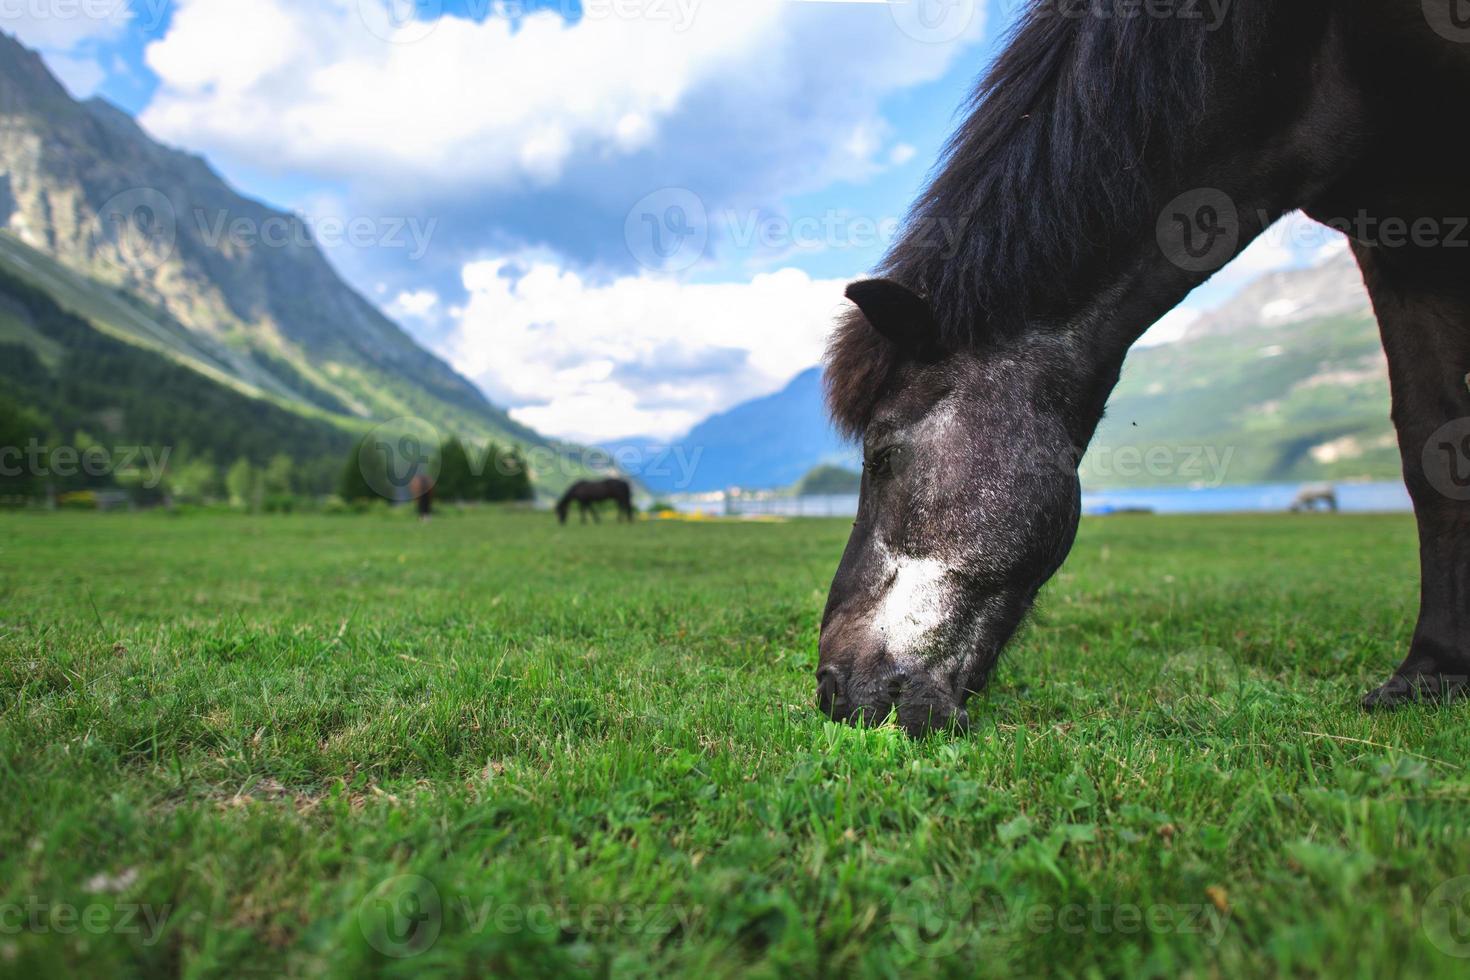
{"x":1255,"y":498}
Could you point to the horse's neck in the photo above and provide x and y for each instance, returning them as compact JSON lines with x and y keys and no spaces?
{"x":1235,"y":191}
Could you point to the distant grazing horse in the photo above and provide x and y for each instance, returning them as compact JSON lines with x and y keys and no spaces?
{"x":589,"y":493}
{"x":1109,"y":165}
{"x":1314,"y":497}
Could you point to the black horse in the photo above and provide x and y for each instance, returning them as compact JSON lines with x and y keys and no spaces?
{"x":586,"y":494}
{"x":1111,"y":164}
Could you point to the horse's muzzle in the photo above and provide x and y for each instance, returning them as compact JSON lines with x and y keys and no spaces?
{"x":922,"y":706}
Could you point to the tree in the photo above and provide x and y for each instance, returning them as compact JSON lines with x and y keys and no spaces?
{"x":518,"y":478}
{"x":825,"y":480}
{"x":280,"y":475}
{"x":243,"y":484}
{"x":194,"y":481}
{"x":456,"y":481}
{"x":17,"y":428}
{"x":357,"y":482}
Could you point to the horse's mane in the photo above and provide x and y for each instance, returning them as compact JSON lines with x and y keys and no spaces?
{"x":1071,"y":137}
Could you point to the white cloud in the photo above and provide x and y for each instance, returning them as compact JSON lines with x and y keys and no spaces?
{"x":641,"y":355}
{"x":310,"y":87}
{"x":417,"y":304}
{"x":1171,"y":327}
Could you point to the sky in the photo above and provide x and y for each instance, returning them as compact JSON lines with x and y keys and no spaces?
{"x":627,"y":214}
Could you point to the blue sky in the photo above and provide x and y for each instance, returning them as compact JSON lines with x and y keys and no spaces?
{"x":628,"y":213}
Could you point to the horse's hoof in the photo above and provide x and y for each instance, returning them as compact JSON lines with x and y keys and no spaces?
{"x":1396,"y":693}
{"x":1404,"y":689}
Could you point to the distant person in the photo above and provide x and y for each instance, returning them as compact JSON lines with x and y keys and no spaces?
{"x":586,"y":494}
{"x":422,"y":489}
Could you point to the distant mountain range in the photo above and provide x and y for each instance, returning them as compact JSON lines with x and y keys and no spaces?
{"x":766,"y":442}
{"x":1284,"y":382}
{"x":144,"y":244}
{"x":150,"y":246}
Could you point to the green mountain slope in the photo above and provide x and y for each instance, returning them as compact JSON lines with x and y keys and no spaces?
{"x":139,"y":240}
{"x":88,"y":388}
{"x":1243,"y":399}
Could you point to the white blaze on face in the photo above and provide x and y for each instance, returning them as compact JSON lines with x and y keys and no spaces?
{"x":915,"y":605}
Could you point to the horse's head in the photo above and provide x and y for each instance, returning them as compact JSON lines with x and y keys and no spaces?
{"x":562,"y":506}
{"x":969,"y":503}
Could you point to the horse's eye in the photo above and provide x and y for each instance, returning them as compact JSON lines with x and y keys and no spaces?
{"x":881,"y":462}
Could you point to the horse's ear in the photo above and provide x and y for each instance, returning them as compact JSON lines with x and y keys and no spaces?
{"x":900,"y":314}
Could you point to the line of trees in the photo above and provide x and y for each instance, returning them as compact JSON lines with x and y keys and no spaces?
{"x":459,"y":473}
{"x":212,"y":444}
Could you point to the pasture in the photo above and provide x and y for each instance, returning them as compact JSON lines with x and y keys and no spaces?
{"x":489,"y":745}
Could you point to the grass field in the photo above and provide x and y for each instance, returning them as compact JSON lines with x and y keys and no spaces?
{"x":492,"y":746}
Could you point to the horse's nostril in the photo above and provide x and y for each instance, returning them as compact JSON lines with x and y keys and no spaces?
{"x":896,"y":682}
{"x":830,"y":694}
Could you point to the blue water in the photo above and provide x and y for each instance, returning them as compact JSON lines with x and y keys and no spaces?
{"x":1355,"y":498}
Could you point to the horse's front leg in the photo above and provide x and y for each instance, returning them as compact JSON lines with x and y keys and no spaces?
{"x":1423,"y":306}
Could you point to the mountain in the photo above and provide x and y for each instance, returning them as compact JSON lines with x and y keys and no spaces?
{"x":766,"y":442}
{"x":151,"y":246}
{"x":1333,"y":288}
{"x":1284,"y":382}
{"x":77,"y":386}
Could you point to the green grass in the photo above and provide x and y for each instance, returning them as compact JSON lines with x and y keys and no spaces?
{"x":594,"y":749}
